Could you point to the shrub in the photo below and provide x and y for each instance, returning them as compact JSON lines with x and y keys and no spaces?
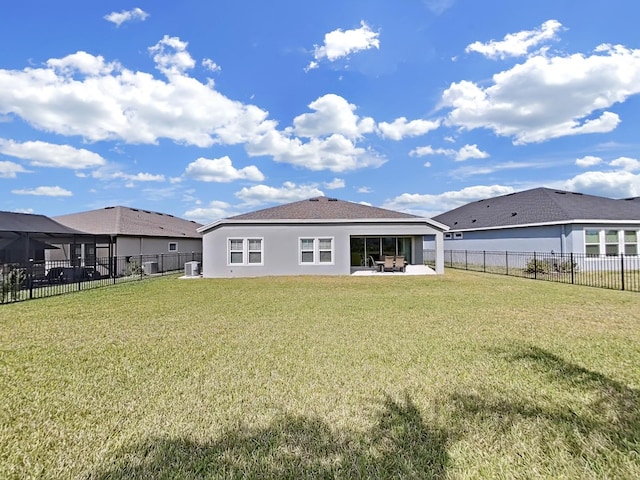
{"x":12,"y":282}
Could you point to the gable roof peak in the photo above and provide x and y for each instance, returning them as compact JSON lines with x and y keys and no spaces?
{"x":321,"y":208}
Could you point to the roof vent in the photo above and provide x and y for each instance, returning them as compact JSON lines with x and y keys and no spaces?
{"x":314,"y":199}
{"x":333,"y":199}
{"x":473,"y":221}
{"x":513,"y":214}
{"x":561,"y":193}
{"x":109,"y":208}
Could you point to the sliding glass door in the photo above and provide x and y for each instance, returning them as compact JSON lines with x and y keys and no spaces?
{"x":365,"y":248}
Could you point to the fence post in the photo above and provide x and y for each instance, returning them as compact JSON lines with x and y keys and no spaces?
{"x":506,"y":261}
{"x":30,"y":278}
{"x":622,"y":269}
{"x":484,"y":261}
{"x":535,"y":266}
{"x":140,"y":266}
{"x":572,"y":268}
{"x":466,"y":260}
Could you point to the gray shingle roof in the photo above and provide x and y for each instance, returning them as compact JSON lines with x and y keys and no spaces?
{"x":30,"y":223}
{"x":131,"y":221}
{"x":321,"y":208}
{"x":539,"y":205}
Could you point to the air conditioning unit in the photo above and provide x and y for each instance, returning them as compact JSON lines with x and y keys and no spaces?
{"x":150,"y":268}
{"x":192,"y":269}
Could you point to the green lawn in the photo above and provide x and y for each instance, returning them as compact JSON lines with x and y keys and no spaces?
{"x":465,"y":375}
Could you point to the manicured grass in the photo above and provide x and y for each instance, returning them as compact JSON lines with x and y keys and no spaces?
{"x":465,"y":375}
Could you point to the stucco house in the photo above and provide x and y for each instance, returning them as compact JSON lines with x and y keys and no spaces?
{"x":135,"y":231}
{"x":545,"y":220}
{"x":318,"y":236}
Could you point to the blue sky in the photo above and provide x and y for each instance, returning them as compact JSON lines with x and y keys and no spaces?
{"x":207,"y":109}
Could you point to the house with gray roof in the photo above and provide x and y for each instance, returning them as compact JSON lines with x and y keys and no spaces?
{"x":545,"y":220}
{"x":137,"y":233}
{"x":318,"y":236}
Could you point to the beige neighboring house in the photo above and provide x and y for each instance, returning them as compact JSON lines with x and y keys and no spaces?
{"x":136,"y":232}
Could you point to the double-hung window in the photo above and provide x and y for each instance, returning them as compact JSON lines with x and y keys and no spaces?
{"x":316,"y":251}
{"x":630,"y":242}
{"x":245,"y":251}
{"x":611,"y":243}
{"x":592,"y":243}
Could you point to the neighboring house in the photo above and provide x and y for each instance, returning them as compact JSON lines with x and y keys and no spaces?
{"x":545,"y":220}
{"x":25,"y":237}
{"x":318,"y":236}
{"x":138,"y":232}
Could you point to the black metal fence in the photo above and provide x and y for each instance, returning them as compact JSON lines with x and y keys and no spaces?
{"x":619,"y":272}
{"x":20,"y":282}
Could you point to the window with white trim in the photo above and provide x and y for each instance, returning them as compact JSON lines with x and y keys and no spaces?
{"x":448,"y":236}
{"x":244,"y":251}
{"x":630,"y":242}
{"x":592,"y":243}
{"x":316,"y":251}
{"x":457,"y":235}
{"x":611,"y":243}
{"x":173,"y":246}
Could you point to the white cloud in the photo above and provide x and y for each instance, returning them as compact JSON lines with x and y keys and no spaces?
{"x":221,"y":170}
{"x":212,"y":212}
{"x":364,"y":190}
{"x":401,"y":128}
{"x":618,"y":181}
{"x":82,"y":95}
{"x":80,"y":62}
{"x":546,"y":98}
{"x":470,"y":151}
{"x":615,"y":184}
{"x":517,"y":44}
{"x":430,"y":205}
{"x":625,"y":163}
{"x":171,"y":56}
{"x":339,"y":44}
{"x":109,"y":173}
{"x":211,"y":65}
{"x":486,"y":169}
{"x":588,"y":161}
{"x":126,"y":16}
{"x":332,"y":114}
{"x":335,"y":153}
{"x":464,"y":153}
{"x":334,"y":184}
{"x":10,"y":169}
{"x":44,"y":191}
{"x":43,"y":154}
{"x":289,"y":192}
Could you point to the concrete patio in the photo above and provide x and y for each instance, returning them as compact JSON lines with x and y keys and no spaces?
{"x":409,"y":270}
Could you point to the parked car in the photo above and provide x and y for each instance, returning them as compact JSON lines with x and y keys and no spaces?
{"x":71,"y":274}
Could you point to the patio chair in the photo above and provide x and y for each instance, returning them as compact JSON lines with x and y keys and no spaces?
{"x":389,"y":264}
{"x":400,"y":263}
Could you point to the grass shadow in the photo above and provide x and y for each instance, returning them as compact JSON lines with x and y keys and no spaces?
{"x":399,"y":445}
{"x":605,"y":409}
